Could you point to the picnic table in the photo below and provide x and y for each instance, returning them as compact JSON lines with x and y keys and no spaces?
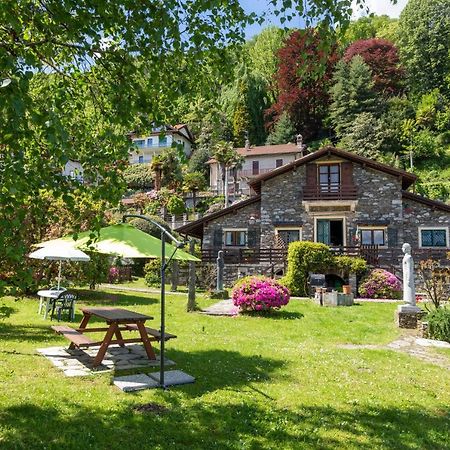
{"x":117,"y":320}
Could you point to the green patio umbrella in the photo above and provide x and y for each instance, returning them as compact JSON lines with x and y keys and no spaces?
{"x":126,"y":241}
{"x":122,"y":240}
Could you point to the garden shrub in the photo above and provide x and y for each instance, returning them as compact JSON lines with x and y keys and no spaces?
{"x":138,"y":176}
{"x":175,"y":205}
{"x":303,"y":258}
{"x":259,"y":294}
{"x":439,"y":324}
{"x":380,"y":284}
{"x":350,"y":264}
{"x":152,"y":272}
{"x":150,"y":228}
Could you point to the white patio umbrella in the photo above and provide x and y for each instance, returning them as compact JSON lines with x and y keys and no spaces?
{"x":59,"y":251}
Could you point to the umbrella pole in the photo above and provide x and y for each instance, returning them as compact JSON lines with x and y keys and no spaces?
{"x":59,"y":274}
{"x":163,"y":299}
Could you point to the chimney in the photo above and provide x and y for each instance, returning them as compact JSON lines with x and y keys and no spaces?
{"x":247,"y":141}
{"x":300,"y":146}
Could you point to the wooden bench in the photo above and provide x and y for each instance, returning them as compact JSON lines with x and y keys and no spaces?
{"x":76,"y":338}
{"x":151,"y":332}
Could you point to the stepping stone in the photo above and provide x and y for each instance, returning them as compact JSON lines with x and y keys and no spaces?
{"x":76,"y":372}
{"x":174,"y":377}
{"x":130,"y":383}
{"x":432,"y":343}
{"x":222,"y":308}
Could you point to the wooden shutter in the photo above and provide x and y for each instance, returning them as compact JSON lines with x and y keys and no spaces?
{"x":217,"y":242}
{"x":311,"y":174}
{"x":347,"y":173}
{"x":392,"y":237}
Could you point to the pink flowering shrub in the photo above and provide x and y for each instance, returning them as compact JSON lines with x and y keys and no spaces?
{"x":113,"y":275}
{"x":380,"y":284}
{"x":259,"y":294}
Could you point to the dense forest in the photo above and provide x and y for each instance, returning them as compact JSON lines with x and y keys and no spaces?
{"x":381,"y":89}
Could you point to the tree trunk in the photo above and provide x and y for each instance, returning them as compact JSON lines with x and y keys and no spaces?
{"x":175,"y":275}
{"x":225,"y":187}
{"x":191,"y":305}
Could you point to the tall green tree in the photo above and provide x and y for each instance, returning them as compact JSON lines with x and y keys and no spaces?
{"x":227,"y":158}
{"x":262,"y":51}
{"x":283,"y":131}
{"x":194,"y":182}
{"x":352,"y":93}
{"x":424,"y":41}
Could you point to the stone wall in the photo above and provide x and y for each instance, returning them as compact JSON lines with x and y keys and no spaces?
{"x":246,"y":217}
{"x":417,"y":215}
{"x":281,"y":201}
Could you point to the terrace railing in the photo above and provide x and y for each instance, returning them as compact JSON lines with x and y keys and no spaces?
{"x":268,"y":256}
{"x":330,"y":192}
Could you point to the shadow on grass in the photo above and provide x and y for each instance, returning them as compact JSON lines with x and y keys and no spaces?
{"x":32,"y":333}
{"x":218,"y":369}
{"x":6,"y":311}
{"x":101,"y":298}
{"x":222,"y":425}
{"x":275,"y":315}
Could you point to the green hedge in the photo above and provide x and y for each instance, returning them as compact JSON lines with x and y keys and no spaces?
{"x":303,"y":258}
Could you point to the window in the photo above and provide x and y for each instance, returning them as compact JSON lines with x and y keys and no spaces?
{"x":163,"y":141}
{"x":433,"y":237}
{"x":373,"y":236}
{"x":141,"y":159}
{"x":255,"y":167}
{"x":278,"y":163}
{"x":139,"y":143}
{"x":150,"y":142}
{"x":289,"y":235}
{"x":236,"y":238}
{"x":329,"y":177}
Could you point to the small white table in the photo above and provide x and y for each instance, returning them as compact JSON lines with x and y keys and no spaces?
{"x":46,"y":296}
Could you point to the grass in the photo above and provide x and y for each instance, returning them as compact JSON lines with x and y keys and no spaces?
{"x":262,"y":382}
{"x":139,"y":283}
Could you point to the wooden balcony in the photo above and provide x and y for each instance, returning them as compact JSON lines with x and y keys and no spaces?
{"x":330,"y":192}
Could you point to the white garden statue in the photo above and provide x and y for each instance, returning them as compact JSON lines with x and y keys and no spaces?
{"x":409,"y":290}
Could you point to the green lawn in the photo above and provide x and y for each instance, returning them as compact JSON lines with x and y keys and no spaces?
{"x":262,"y":382}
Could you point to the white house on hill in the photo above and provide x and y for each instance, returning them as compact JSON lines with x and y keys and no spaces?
{"x":149,"y":145}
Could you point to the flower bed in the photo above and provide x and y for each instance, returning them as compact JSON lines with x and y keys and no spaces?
{"x":380,"y":284}
{"x":259,"y":294}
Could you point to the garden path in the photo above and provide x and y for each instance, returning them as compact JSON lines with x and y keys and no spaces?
{"x":413,"y":346}
{"x":134,"y":289}
{"x":222,"y":308}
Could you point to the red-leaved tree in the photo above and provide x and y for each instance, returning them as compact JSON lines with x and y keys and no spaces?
{"x":303,"y":77}
{"x":382,"y":57}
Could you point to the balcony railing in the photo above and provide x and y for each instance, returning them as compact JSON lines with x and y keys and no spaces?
{"x":330,"y":192}
{"x":279,"y":255}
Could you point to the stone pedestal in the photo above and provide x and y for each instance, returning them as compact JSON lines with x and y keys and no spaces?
{"x":337,"y":299}
{"x":408,"y":316}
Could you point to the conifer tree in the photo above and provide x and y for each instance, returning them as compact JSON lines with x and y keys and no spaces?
{"x":352,"y":93}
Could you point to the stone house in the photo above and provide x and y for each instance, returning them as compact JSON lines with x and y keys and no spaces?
{"x":355,"y":205}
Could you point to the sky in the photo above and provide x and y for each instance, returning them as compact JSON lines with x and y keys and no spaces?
{"x":378,"y":7}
